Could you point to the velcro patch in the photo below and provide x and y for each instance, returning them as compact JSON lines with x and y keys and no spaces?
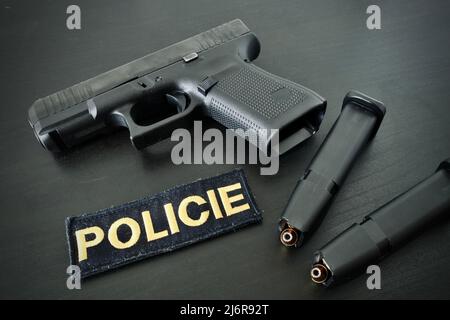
{"x":172,"y":219}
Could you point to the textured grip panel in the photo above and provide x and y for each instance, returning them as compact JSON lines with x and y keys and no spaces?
{"x":229,"y":117}
{"x":248,"y":97}
{"x":261,"y":91}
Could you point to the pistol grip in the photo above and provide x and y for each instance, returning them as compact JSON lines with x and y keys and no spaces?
{"x":249,"y":97}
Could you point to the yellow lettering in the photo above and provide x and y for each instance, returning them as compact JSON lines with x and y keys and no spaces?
{"x":214,"y":204}
{"x":82,"y":244}
{"x":183,"y":214}
{"x":149,"y":229}
{"x":135,"y":233}
{"x":227,"y":201}
{"x":170,"y":214}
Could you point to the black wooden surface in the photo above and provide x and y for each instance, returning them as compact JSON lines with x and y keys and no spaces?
{"x":323,"y":45}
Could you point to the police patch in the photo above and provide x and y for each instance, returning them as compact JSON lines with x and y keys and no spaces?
{"x":172,"y":219}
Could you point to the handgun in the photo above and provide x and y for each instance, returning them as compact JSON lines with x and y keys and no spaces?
{"x":207,"y":75}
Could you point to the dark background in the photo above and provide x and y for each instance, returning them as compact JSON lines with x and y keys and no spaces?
{"x":323,"y":45}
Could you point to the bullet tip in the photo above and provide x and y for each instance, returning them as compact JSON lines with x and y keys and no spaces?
{"x":319,"y":273}
{"x":289,"y":237}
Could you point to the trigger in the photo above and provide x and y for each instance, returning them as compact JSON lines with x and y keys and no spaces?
{"x":177,"y":99}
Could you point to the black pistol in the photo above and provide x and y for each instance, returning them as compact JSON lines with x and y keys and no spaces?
{"x":210,"y":73}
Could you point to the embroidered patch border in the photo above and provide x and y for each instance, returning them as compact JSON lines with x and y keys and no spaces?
{"x":164,"y":222}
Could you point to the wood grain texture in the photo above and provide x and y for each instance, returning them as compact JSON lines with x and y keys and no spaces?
{"x":323,"y":45}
